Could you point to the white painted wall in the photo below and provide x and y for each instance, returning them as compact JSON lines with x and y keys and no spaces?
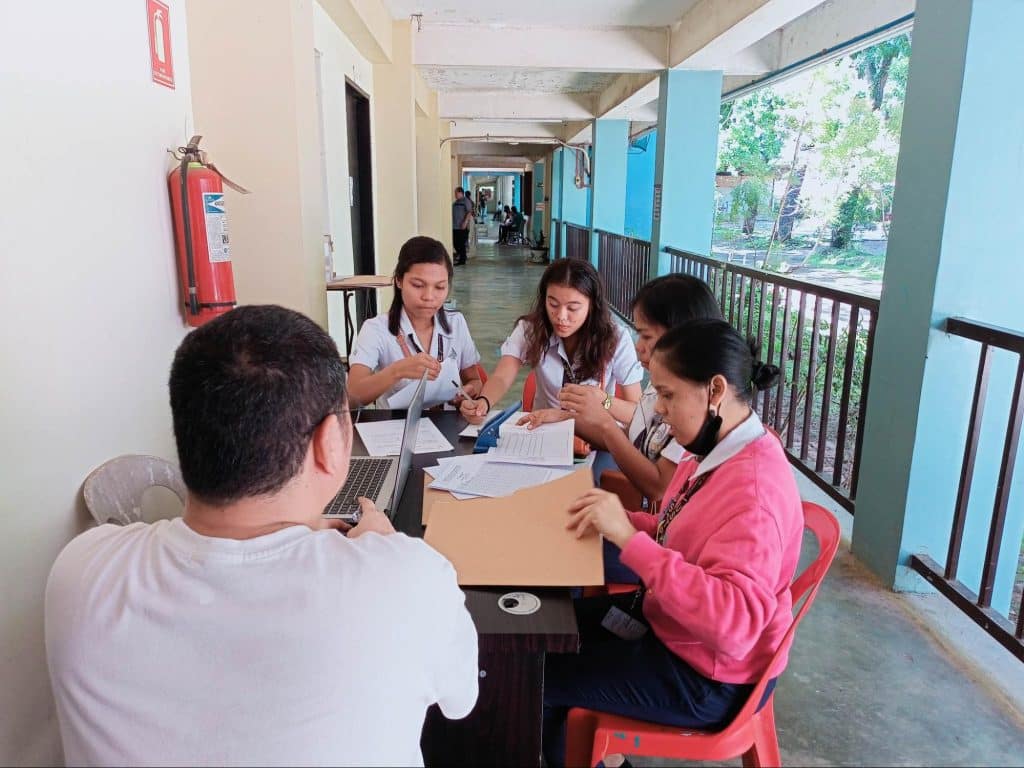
{"x":90,"y":298}
{"x":339,"y":60}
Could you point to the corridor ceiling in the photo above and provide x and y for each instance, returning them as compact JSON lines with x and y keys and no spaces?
{"x":543,"y":69}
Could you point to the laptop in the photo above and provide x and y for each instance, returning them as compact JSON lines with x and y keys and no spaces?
{"x":381,"y":478}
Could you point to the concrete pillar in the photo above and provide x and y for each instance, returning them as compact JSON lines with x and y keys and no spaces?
{"x":394,"y":139}
{"x":956,"y":216}
{"x":575,"y":205}
{"x":608,"y":180}
{"x":557,"y":161}
{"x":684,"y":173}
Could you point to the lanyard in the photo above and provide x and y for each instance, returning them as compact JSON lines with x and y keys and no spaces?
{"x":667,"y":516}
{"x":569,"y":374}
{"x":408,"y":352}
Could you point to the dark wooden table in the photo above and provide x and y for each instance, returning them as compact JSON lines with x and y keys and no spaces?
{"x":505,"y":726}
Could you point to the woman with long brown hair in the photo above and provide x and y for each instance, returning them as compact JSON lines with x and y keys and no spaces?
{"x":568,"y":337}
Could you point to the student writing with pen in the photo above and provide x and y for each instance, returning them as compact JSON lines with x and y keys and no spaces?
{"x":568,"y":338}
{"x":416,"y":335}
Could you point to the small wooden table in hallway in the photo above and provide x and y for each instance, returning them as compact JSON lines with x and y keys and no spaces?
{"x":348,"y":287}
{"x":504,"y":727}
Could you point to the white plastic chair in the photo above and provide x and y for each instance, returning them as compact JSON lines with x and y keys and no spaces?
{"x":114,"y":490}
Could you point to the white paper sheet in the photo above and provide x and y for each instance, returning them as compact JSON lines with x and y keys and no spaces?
{"x":548,"y":445}
{"x":473,"y":430}
{"x":384,"y":438}
{"x":483,"y":478}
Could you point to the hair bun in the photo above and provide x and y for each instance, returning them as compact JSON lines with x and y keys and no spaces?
{"x":764,"y":376}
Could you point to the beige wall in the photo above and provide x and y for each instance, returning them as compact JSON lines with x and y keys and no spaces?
{"x":89,"y":281}
{"x":431,"y":204}
{"x":254,"y":96}
{"x":394,"y":135}
{"x":340,"y":61}
{"x":90,"y":295}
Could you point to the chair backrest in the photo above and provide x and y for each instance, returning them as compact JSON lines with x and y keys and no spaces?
{"x":114,"y":490}
{"x":529,"y":391}
{"x":825,"y":528}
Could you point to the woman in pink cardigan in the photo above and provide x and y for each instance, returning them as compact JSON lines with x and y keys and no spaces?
{"x":715,"y":565}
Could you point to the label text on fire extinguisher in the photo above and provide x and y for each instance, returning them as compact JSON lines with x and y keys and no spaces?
{"x":216,"y":226}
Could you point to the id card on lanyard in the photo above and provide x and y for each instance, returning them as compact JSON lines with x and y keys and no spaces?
{"x":631,"y":625}
{"x":441,"y":389}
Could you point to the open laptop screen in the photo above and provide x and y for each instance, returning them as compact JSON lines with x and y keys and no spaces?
{"x":412,"y":428}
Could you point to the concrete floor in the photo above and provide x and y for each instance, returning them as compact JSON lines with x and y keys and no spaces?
{"x":875,"y":678}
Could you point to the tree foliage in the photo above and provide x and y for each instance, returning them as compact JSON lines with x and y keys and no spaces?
{"x":832,"y":138}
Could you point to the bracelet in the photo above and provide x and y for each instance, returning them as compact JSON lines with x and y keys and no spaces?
{"x":481,"y":397}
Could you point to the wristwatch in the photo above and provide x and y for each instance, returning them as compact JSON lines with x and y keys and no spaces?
{"x":607,"y":401}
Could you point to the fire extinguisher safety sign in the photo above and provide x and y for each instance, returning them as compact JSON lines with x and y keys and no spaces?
{"x":216,"y":226}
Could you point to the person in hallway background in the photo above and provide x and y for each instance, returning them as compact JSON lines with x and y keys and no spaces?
{"x":462,"y":218}
{"x":568,"y":337}
{"x":245,"y":633}
{"x":416,"y":335}
{"x":686,"y":649}
{"x":506,"y":222}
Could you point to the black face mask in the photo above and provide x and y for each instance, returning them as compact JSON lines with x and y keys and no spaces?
{"x":707,"y":437}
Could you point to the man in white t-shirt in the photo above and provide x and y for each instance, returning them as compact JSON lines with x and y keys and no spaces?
{"x":247,"y":632}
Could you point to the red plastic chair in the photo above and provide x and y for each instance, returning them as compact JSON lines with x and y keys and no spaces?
{"x":481,"y":373}
{"x":529,"y":391}
{"x":592,"y":735}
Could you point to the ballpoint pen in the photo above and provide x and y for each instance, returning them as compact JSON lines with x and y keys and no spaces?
{"x":460,"y":391}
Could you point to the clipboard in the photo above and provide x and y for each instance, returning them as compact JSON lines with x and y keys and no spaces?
{"x":488,"y":435}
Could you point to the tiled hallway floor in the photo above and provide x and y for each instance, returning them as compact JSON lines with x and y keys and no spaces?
{"x":868,"y":683}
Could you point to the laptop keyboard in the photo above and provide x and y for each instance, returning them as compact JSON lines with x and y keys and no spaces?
{"x":365,"y":478}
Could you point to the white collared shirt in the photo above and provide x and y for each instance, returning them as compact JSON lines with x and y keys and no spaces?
{"x":656,"y":442}
{"x":623,"y":369}
{"x":377,"y":348}
{"x":746,"y":432}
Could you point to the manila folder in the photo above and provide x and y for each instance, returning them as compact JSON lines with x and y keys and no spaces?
{"x":519,"y":540}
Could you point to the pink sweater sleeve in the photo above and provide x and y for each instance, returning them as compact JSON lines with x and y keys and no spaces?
{"x":726,"y":598}
{"x":644,"y":521}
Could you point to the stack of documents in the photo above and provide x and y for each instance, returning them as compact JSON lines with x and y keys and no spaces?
{"x":524,"y":457}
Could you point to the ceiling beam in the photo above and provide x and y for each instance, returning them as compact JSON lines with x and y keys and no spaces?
{"x":711,"y":32}
{"x":366,"y":23}
{"x":826,"y":27}
{"x":505,"y":105}
{"x":463,"y":129}
{"x":631,"y":49}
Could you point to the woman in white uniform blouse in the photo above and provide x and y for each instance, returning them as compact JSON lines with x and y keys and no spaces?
{"x":415,"y":335}
{"x":568,"y":337}
{"x":646,"y":452}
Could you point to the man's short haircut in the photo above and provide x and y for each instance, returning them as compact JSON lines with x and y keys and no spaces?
{"x":247,"y":391}
{"x":460,"y":190}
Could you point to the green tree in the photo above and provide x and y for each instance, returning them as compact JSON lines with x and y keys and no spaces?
{"x":755,"y":130}
{"x":881,"y":61}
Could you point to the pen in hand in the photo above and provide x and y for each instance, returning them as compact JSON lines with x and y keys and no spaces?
{"x":460,"y":391}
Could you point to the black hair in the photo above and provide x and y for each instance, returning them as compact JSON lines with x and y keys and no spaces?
{"x":460,"y":189}
{"x":247,"y":390}
{"x":701,"y":349}
{"x":418,"y":250}
{"x":597,"y":335}
{"x":672,"y":300}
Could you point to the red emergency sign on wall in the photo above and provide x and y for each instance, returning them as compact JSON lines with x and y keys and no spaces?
{"x":160,"y":43}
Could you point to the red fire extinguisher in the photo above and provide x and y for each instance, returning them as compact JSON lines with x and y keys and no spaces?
{"x":201,"y":234}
